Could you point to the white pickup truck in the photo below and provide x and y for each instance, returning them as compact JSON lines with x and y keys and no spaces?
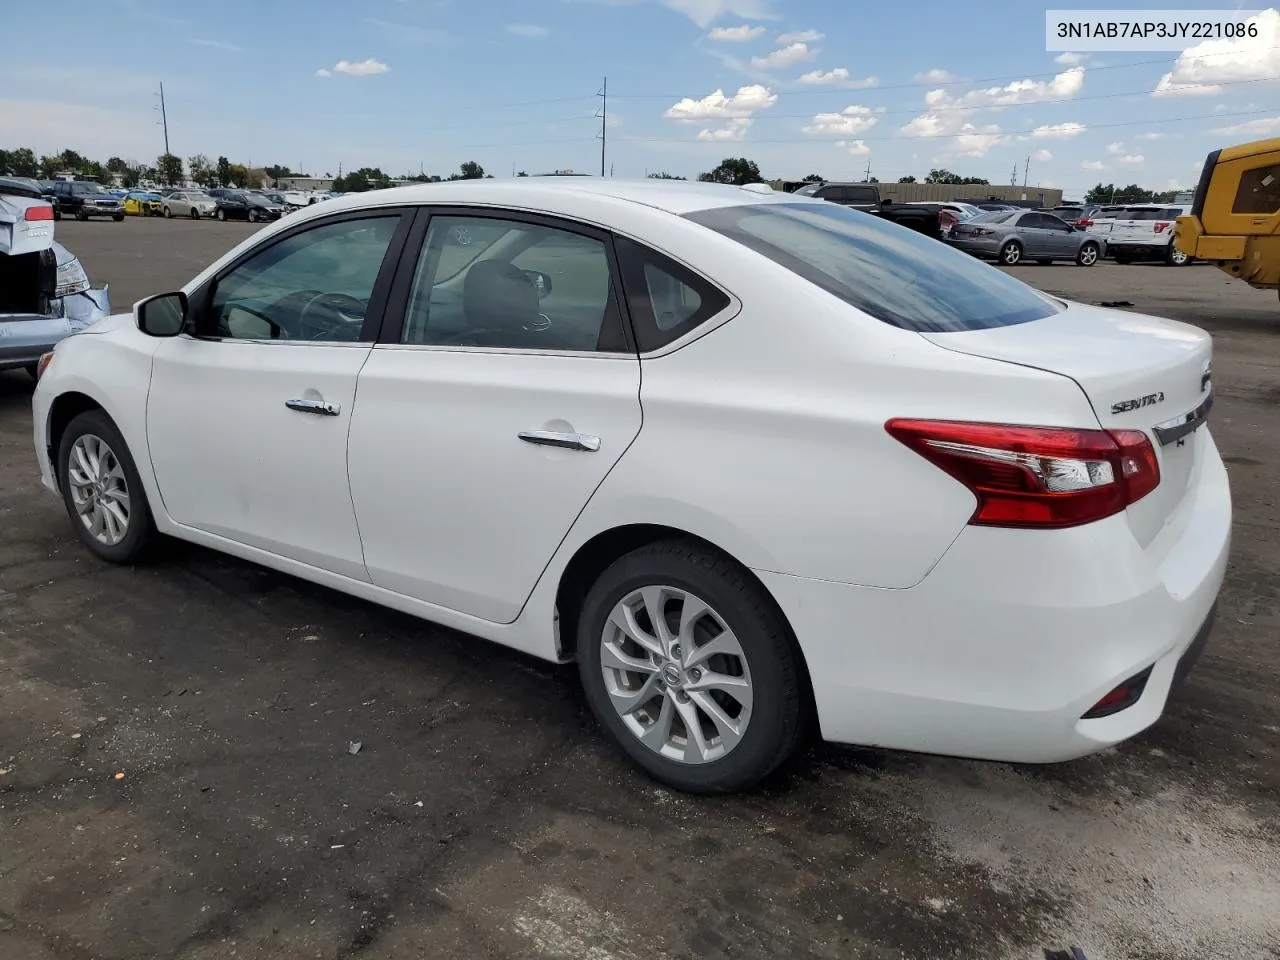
{"x":45,"y":295}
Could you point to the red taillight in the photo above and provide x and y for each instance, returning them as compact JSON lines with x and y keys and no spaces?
{"x":43,"y":211}
{"x":1037,"y":476}
{"x":1084,"y":223}
{"x":1163,"y":225}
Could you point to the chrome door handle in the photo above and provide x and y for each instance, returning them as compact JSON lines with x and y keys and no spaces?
{"x":319,"y":407}
{"x":568,"y":441}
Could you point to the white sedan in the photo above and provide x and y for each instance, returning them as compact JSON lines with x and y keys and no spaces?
{"x":754,"y":461}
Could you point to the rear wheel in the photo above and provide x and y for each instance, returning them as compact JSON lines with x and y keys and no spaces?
{"x":1011,"y":253}
{"x":221,"y":215}
{"x":102,"y":490}
{"x":1088,"y":254}
{"x":195,"y":214}
{"x":690,"y":668}
{"x":57,"y":214}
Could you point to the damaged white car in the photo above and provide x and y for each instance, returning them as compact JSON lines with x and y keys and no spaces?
{"x":45,"y":295}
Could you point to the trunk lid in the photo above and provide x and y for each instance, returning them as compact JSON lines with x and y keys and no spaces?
{"x":19,"y":235}
{"x":1138,"y":373}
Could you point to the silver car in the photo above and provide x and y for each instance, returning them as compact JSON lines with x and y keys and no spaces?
{"x":1012,"y":236}
{"x":189,"y":203}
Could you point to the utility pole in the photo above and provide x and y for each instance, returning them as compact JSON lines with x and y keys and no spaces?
{"x":1013,"y":177}
{"x":1026,"y":170}
{"x":164,"y":119}
{"x":603,"y":114}
{"x":866,"y":177}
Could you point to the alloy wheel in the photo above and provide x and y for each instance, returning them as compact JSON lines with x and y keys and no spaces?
{"x":676,"y":674}
{"x":1088,"y":255}
{"x":99,"y":490}
{"x":1178,"y":257}
{"x":1011,"y":254}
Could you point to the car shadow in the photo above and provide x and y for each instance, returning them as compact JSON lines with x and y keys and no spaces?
{"x":15,"y":390}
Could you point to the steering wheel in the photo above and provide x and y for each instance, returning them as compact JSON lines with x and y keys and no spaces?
{"x":346,"y":313}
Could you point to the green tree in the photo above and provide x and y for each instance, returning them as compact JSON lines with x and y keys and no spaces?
{"x":469,"y":171}
{"x":130,"y":176}
{"x":224,"y":172}
{"x":116,"y":165}
{"x":50,"y":166}
{"x":907,"y":179}
{"x":814,"y":178}
{"x":4,"y":163}
{"x":170,"y":169}
{"x":201,"y":170}
{"x":275,"y":172}
{"x":339,"y":185}
{"x":663,"y":175}
{"x":238,"y":174}
{"x":22,"y":162}
{"x":521,"y":174}
{"x":734,"y":170}
{"x":943,"y":175}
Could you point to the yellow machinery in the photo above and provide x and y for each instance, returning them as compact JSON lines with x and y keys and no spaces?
{"x":1235,"y":218}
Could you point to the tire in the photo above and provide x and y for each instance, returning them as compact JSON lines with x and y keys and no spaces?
{"x":253,"y":216}
{"x":760,"y":651}
{"x":99,"y":435}
{"x":1124,"y":258}
{"x":168,"y":213}
{"x":1088,"y":254}
{"x":1011,"y":254}
{"x":81,"y":215}
{"x":221,"y":215}
{"x":57,"y":214}
{"x":195,"y":214}
{"x":1174,"y":257}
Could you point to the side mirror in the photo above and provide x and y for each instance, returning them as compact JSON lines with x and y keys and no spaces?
{"x":541,"y":282}
{"x":164,"y":315}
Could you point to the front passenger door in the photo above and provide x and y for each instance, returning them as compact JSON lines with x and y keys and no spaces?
{"x":247,"y":416}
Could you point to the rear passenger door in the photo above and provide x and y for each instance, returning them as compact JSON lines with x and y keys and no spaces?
{"x":503,"y":389}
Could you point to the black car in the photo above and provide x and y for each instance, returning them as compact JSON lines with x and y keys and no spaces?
{"x":243,"y":205}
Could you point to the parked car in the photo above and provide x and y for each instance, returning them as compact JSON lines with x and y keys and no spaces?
{"x":84,"y":199}
{"x":142,"y":203}
{"x":1142,"y":232}
{"x":1011,"y":236}
{"x":45,"y":295}
{"x":190,"y":203}
{"x":730,"y":527}
{"x":243,"y":205}
{"x":860,"y":196}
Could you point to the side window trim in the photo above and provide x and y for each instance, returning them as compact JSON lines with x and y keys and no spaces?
{"x":633,"y":278}
{"x":396,"y":311}
{"x":201,"y":299}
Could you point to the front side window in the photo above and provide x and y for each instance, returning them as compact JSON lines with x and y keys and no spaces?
{"x":313,"y":285}
{"x":896,"y":275}
{"x":511,"y":284}
{"x":1259,"y":191}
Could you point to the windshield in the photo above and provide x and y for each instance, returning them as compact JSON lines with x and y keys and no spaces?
{"x":87,"y":188}
{"x":896,"y":275}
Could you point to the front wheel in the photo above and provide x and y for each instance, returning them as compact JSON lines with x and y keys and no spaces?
{"x":168,"y":213}
{"x":253,"y":216}
{"x":1011,"y":253}
{"x":195,"y":214}
{"x":221,"y":215}
{"x":102,"y":490}
{"x":690,"y":668}
{"x":1175,"y":257}
{"x":81,"y":216}
{"x":1088,"y":254}
{"x":57,"y":214}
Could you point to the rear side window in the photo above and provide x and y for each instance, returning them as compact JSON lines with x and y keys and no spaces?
{"x":667,"y":300}
{"x":896,"y":275}
{"x":860,"y":194}
{"x":1259,"y":191}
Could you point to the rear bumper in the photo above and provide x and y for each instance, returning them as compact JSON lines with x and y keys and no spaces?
{"x":979,"y":248}
{"x":999,"y":652}
{"x":24,"y":339}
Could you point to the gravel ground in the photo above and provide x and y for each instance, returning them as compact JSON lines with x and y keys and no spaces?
{"x":176,"y":781}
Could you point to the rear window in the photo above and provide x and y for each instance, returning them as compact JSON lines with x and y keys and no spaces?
{"x":994,"y":216}
{"x":894,"y":274}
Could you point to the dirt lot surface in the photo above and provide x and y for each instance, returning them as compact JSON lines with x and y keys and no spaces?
{"x":176,"y":781}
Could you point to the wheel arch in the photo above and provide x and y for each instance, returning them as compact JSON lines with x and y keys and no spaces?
{"x":597,"y":553}
{"x":65,"y":408}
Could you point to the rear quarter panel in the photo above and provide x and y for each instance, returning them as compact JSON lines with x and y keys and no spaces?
{"x":766,"y":435}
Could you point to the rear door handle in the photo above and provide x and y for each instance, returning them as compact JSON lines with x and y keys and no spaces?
{"x":319,"y":407}
{"x":567,"y":441}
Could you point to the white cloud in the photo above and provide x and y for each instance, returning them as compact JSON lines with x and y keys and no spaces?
{"x":217,"y":45}
{"x":850,"y":121}
{"x":1062,"y":87}
{"x":735,"y":34}
{"x":800,"y":36}
{"x":936,"y":75}
{"x":735,"y":130}
{"x":856,"y":148}
{"x":1071,"y":59}
{"x":1093,"y":165}
{"x":1114,"y":148}
{"x":1042,"y":156}
{"x":1263,"y":126}
{"x":1059,"y":131}
{"x":1202,"y":69}
{"x":1132,"y":159}
{"x":975,"y":141}
{"x":1153,"y":135}
{"x":716,"y":106}
{"x":528,"y":30}
{"x":839,"y":77}
{"x":787,"y":56}
{"x":364,"y":68}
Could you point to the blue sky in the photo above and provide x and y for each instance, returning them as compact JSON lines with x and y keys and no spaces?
{"x":800,"y":86}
